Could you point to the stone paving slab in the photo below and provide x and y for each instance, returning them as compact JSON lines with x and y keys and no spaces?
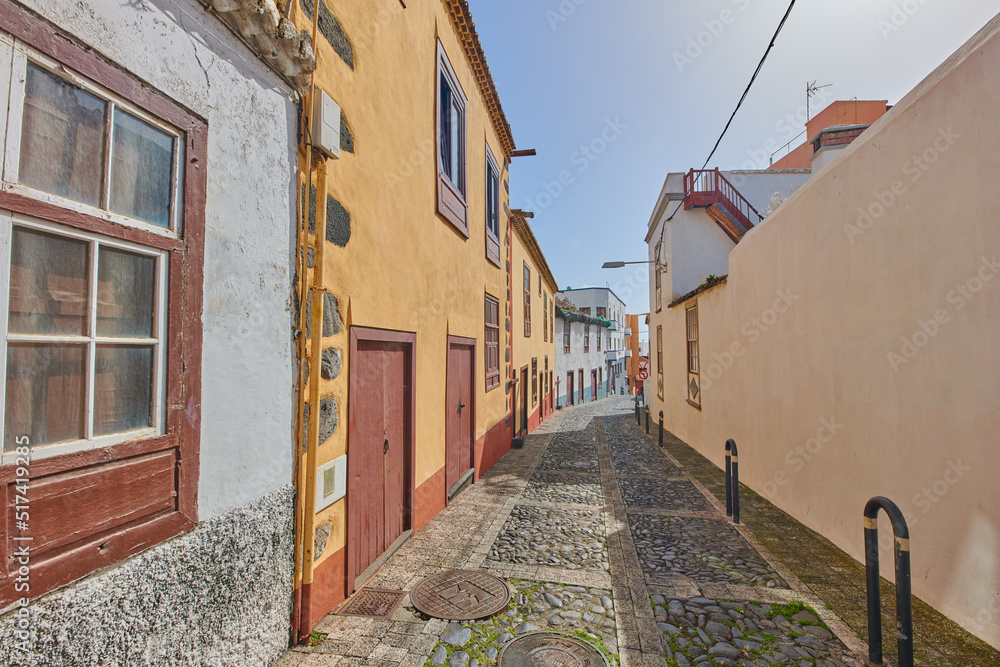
{"x":708,"y":550}
{"x":670,"y":495}
{"x":572,"y":539}
{"x":564,"y":488}
{"x":702,"y":631}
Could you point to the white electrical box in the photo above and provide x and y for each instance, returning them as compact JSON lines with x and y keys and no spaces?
{"x":326,"y":124}
{"x":331,"y":482}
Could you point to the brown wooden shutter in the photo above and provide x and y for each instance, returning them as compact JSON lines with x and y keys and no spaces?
{"x":492,"y":340}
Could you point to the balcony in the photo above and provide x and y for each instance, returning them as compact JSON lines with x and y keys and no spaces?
{"x":613,"y":326}
{"x":628,"y":354}
{"x":710,"y":189}
{"x":628,"y":331}
{"x":614,"y":355}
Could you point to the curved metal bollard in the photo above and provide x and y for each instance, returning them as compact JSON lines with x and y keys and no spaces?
{"x":904,"y":603}
{"x":732,"y":481}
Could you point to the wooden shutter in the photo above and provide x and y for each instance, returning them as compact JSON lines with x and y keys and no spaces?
{"x":492,"y":209}
{"x":492,"y":340}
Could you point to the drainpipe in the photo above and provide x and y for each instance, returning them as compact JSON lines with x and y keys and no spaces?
{"x":306,"y":436}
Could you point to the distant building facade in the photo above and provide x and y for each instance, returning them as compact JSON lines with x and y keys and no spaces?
{"x":601,"y":302}
{"x":580,"y":358}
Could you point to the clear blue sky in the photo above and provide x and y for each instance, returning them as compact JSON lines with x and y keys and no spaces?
{"x":569,"y":71}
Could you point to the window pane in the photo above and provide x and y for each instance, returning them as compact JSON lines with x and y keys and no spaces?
{"x":141,"y":168}
{"x":456,"y":147}
{"x":48,"y":284}
{"x":62,"y":138}
{"x":45,"y":393}
{"x":123,"y":388}
{"x":126,"y":289}
{"x":445,"y":147}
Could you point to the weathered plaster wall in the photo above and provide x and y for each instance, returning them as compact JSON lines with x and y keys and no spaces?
{"x":246,"y":448}
{"x":852,"y":352}
{"x":218,"y":595}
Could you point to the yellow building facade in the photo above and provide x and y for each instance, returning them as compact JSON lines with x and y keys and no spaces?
{"x":405,"y":274}
{"x":533,"y":329}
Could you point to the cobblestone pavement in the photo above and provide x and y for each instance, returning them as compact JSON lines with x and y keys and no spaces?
{"x":602,"y":535}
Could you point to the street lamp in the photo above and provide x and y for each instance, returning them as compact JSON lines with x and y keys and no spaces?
{"x":619,"y":265}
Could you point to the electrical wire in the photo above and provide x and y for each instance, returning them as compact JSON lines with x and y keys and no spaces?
{"x":739,"y":104}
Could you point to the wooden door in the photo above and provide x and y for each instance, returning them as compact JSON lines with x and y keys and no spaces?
{"x":593,"y":383}
{"x":570,"y":391}
{"x":580,"y":389}
{"x":460,"y":408}
{"x":379,"y":450}
{"x":524,"y":400}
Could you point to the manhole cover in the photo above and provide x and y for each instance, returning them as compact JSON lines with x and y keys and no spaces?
{"x":372,"y":602}
{"x":549,"y":649}
{"x":460,"y":595}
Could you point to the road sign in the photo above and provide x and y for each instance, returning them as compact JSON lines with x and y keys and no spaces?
{"x":644,"y":367}
{"x":644,"y":374}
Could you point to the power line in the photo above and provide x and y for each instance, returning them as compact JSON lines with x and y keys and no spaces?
{"x":739,"y":104}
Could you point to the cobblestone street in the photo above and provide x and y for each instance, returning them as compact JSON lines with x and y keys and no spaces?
{"x":602,"y":535}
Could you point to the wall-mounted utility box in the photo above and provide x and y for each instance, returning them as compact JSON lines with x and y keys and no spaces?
{"x":331,"y":482}
{"x":325,"y":124}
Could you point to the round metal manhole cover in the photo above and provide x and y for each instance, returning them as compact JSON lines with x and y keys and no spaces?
{"x":550,"y":649}
{"x":460,"y":595}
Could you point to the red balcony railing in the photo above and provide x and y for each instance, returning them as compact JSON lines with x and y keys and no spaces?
{"x":705,"y":187}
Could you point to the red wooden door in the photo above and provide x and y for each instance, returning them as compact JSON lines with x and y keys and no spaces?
{"x":524,"y":400}
{"x":460,"y":412}
{"x":593,"y":384}
{"x":376,"y":457}
{"x":580,"y":388}
{"x":570,"y":392}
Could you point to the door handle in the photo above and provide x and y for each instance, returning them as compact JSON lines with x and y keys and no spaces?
{"x":385,"y":447}
{"x":460,"y":406}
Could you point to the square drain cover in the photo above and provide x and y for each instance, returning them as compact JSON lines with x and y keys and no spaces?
{"x":373,"y":603}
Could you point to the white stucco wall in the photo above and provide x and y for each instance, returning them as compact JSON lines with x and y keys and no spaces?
{"x":577,"y":359}
{"x":247,"y":384}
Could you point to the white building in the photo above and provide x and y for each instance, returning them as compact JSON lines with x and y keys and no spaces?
{"x":148,"y":228}
{"x":581,"y":364}
{"x":602,"y":302}
{"x":691,"y":237}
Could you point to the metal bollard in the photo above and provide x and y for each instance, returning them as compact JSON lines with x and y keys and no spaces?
{"x":904,"y":608}
{"x":661,"y":429}
{"x":732,"y":481}
{"x":637,"y":422}
{"x":646,"y":411}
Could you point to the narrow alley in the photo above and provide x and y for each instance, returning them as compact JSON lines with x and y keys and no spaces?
{"x":601,"y":535}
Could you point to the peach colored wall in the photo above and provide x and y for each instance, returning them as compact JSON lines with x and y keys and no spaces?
{"x":853,"y":351}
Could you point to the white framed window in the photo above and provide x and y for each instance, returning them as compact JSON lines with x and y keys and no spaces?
{"x":85,"y":345}
{"x":72,"y":143}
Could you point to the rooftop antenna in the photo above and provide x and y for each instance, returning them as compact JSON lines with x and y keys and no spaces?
{"x":811,"y":90}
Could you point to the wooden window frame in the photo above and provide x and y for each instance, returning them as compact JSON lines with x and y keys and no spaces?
{"x":586,"y":338}
{"x":452,"y":198}
{"x":491,"y":349}
{"x":693,"y":360}
{"x":534,"y":381}
{"x":567,"y":337}
{"x":598,"y":337}
{"x":527,"y":301}
{"x":658,"y":279}
{"x":545,"y":318}
{"x":659,"y":361}
{"x":492,"y":210}
{"x":78,"y":541}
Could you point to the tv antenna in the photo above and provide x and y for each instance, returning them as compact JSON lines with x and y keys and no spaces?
{"x":811,"y":90}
